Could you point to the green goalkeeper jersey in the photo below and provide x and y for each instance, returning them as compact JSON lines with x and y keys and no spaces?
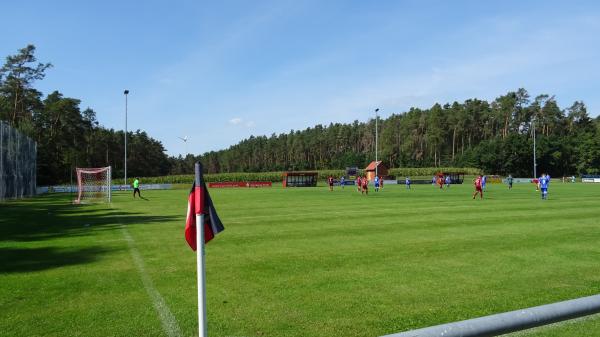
{"x":136,"y":183}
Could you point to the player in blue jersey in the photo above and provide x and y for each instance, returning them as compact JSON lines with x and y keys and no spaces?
{"x":407,"y":182}
{"x":543,"y":183}
{"x":483,"y":181}
{"x":376,"y":184}
{"x":342,"y":181}
{"x":448,"y":181}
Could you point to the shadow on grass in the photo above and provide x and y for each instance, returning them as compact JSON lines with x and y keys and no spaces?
{"x":46,"y":220}
{"x":53,"y":216}
{"x":21,"y":260}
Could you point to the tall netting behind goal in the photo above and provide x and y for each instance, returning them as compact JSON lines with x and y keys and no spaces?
{"x":18,"y":155}
{"x":93,"y":184}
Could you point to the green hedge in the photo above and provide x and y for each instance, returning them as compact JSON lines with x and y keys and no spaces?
{"x":277,"y":176}
{"x":217,"y":178}
{"x":429,"y":171}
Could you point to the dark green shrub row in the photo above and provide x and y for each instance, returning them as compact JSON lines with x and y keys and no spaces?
{"x":219,"y":177}
{"x":429,"y":171}
{"x":277,"y":176}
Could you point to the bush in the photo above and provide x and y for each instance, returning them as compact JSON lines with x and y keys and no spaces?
{"x":216,"y":178}
{"x":429,"y":171}
{"x":277,"y":176}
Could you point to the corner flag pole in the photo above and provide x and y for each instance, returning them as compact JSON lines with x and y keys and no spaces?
{"x":199,"y":194}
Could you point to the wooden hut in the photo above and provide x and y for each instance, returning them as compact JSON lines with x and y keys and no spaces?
{"x":382,"y":170}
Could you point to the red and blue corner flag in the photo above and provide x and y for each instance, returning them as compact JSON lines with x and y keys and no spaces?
{"x":199,"y":203}
{"x":202,"y":224}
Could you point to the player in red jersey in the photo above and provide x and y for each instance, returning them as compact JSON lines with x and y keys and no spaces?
{"x":478,"y":189}
{"x":440,"y":181}
{"x":330,"y":182}
{"x":358,"y":184}
{"x":365,"y":185}
{"x":380,"y":183}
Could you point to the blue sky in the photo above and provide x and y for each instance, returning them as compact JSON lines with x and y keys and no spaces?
{"x":221,"y":71}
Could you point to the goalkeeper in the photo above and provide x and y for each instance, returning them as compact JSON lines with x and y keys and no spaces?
{"x":136,"y":187}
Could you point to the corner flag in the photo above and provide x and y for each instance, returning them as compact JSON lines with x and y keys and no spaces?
{"x":199,"y":202}
{"x":201,"y":225}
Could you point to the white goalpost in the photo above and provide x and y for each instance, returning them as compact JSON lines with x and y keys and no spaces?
{"x":93,"y":184}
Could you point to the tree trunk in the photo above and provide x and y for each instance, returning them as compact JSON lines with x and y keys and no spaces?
{"x":14,"y":116}
{"x":453,"y":142}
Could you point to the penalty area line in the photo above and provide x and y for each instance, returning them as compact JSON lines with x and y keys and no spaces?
{"x":168,"y":321}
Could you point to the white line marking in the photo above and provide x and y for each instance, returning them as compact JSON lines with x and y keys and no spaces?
{"x":169,"y":323}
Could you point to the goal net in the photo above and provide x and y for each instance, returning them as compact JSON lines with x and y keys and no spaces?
{"x":93,"y":184}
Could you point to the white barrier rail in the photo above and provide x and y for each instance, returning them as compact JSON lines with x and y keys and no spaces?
{"x":511,"y":321}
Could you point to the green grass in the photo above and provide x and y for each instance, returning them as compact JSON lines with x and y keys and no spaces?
{"x":299,"y":262}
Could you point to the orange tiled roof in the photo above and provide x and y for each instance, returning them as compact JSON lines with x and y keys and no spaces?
{"x":371,"y":166}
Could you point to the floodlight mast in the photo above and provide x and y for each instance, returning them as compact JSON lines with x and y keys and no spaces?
{"x":376,"y":137}
{"x":126,"y":92}
{"x":534,"y":158}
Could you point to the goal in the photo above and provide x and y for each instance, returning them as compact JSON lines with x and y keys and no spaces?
{"x":93,"y":184}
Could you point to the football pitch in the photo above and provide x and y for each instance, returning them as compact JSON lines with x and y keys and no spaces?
{"x":298,"y":262}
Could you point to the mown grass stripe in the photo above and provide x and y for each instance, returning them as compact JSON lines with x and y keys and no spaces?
{"x":168,"y":321}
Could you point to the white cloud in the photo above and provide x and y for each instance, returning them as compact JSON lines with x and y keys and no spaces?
{"x":166,"y":81}
{"x":235,"y":121}
{"x":241,"y":122}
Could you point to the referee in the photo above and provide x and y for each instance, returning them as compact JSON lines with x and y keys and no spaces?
{"x":136,"y":187}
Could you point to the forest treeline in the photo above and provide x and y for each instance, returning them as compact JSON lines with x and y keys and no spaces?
{"x":495,"y":136}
